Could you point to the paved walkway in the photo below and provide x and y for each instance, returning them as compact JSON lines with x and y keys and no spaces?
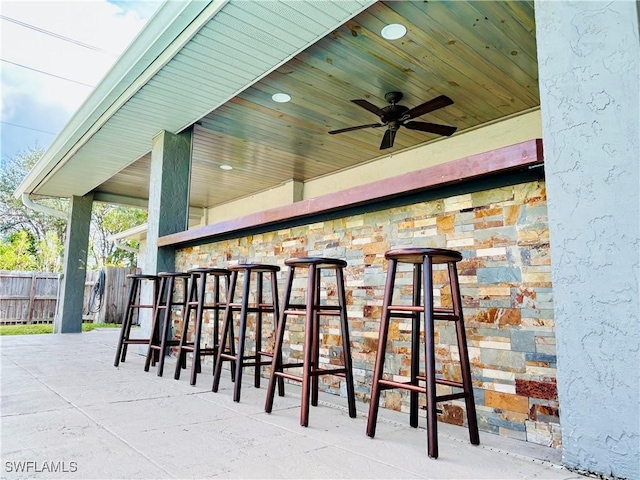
{"x":68,"y":413}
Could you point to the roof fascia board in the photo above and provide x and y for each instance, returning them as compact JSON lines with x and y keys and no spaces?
{"x":172,"y":26}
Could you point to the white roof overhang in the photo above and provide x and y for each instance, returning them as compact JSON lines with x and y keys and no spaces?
{"x":164,"y":81}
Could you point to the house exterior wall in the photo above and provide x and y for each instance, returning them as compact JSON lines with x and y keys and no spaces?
{"x":506,"y":289}
{"x":589,"y":88}
{"x":487,"y":138}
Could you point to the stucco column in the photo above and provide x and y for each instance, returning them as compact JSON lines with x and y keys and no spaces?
{"x":69,"y":312}
{"x":169,"y":185}
{"x":588,"y":65}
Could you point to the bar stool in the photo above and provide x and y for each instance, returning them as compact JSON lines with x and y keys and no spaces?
{"x":227,"y":350}
{"x":423,"y":260}
{"x":158,"y":343}
{"x":133,"y":306}
{"x":197,"y":304}
{"x":312,"y":310}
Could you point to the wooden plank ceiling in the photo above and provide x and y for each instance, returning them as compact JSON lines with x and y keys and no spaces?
{"x":480,"y":54}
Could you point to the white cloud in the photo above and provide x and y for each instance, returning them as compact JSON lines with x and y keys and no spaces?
{"x":107,"y":26}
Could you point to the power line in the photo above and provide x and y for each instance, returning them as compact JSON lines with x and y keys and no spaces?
{"x":56,"y":35}
{"x":47,"y":73}
{"x":27,"y":128}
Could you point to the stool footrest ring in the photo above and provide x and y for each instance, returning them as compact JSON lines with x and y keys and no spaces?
{"x":136,"y":341}
{"x":340,"y":372}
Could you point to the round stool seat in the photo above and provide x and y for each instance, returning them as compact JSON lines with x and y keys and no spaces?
{"x":321,"y":262}
{"x":142,"y":276}
{"x":254,"y":267}
{"x":211,"y":270}
{"x":174,"y":274}
{"x":416,"y":255}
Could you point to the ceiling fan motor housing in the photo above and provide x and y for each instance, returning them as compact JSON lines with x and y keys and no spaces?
{"x":393,"y":113}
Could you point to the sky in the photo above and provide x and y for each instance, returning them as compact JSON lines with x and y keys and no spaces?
{"x":45,"y":78}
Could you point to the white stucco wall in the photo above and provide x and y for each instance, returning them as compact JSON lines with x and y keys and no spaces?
{"x":588,"y":63}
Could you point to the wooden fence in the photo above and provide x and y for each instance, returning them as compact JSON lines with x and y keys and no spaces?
{"x":27,"y":297}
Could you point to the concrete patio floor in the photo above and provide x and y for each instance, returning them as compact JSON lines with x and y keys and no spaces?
{"x":64,"y":406}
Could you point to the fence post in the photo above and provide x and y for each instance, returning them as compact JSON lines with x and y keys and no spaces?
{"x":32,"y":298}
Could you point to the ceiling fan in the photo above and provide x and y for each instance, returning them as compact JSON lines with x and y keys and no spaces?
{"x":394,"y":116}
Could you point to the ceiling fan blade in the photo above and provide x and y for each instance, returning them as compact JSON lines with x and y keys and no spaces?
{"x":431,"y":128}
{"x":387,"y":140}
{"x":349,"y":129}
{"x":369,"y":106}
{"x":426,"y":107}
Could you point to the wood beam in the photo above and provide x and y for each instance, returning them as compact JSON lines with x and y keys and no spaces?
{"x":505,"y":159}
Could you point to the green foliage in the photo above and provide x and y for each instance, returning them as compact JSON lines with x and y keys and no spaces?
{"x":17,"y":252}
{"x":16,"y":217}
{"x":107,"y":220}
{"x":33,"y":241}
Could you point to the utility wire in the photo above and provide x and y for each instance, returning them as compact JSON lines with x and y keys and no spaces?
{"x":47,"y":73}
{"x":27,"y":128}
{"x":56,"y":35}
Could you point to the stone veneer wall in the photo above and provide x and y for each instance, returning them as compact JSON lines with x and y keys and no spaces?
{"x":506,"y":287}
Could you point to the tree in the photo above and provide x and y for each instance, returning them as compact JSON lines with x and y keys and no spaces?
{"x":34,"y":241}
{"x":107,"y":220}
{"x":14,"y":215}
{"x":16,"y":253}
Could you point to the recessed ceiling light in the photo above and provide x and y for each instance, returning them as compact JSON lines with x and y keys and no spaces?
{"x":394,"y":31}
{"x":226,"y":167}
{"x":281,"y":97}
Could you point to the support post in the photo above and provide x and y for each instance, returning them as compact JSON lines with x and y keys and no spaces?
{"x":588,"y":67}
{"x":69,"y":312}
{"x":169,"y":186}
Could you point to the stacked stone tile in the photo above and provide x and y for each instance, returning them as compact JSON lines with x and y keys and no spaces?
{"x":505,"y":281}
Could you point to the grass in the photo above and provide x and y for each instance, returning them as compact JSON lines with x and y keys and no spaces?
{"x":48,"y":328}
